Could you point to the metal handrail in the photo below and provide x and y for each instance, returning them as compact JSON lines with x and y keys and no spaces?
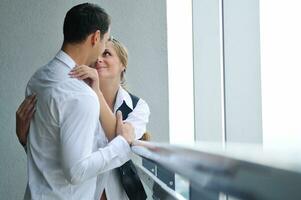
{"x":219,"y":170}
{"x":157,"y":186}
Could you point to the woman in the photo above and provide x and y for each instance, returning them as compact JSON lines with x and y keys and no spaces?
{"x":106,"y":78}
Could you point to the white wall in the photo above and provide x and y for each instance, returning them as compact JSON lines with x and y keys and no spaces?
{"x":242,"y":71}
{"x":31,"y":34}
{"x":208,"y":83}
{"x":227,"y":71}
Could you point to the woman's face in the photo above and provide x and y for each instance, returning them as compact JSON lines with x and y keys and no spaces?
{"x":108,"y":64}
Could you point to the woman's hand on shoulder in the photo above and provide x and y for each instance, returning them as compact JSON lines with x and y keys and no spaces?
{"x":87,"y":74}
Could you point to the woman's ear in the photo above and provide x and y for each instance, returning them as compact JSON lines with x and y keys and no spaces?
{"x":122,"y":67}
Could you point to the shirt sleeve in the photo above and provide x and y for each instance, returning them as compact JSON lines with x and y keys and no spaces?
{"x":78,"y":122}
{"x":139,"y":118}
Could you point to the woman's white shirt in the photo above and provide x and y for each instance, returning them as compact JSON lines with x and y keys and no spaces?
{"x":139,"y":116}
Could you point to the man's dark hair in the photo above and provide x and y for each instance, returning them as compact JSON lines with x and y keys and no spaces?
{"x":84,"y":19}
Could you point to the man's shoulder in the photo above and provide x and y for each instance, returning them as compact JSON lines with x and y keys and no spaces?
{"x":53,"y":80}
{"x":73,"y":89}
{"x":39,"y":72}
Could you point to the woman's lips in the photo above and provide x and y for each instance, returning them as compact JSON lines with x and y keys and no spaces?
{"x":98,"y":67}
{"x":101,"y":67}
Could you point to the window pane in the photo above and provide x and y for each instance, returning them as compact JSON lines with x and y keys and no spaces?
{"x":281,"y":71}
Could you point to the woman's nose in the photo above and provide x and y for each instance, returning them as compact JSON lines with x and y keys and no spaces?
{"x":99,"y":59}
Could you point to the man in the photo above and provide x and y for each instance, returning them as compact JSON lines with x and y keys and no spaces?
{"x":62,"y":149}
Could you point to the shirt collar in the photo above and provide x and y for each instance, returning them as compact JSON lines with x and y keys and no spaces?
{"x":66,"y":59}
{"x":123,"y":95}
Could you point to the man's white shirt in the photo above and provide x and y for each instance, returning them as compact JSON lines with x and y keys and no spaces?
{"x":66,"y":147}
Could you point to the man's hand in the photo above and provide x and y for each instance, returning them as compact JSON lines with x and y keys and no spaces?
{"x":126,"y":130}
{"x":23,"y":117}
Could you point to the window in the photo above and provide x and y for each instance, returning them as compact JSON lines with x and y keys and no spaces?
{"x":281,"y":71}
{"x":180,"y":71}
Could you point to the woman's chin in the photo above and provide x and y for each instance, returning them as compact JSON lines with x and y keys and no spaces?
{"x":101,"y":72}
{"x":103,"y":75}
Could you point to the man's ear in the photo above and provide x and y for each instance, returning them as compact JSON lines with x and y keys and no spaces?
{"x":95,"y":37}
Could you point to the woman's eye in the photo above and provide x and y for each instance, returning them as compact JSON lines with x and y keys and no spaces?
{"x":106,"y":53}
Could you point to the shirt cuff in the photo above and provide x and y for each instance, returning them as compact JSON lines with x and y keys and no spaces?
{"x":120,"y":142}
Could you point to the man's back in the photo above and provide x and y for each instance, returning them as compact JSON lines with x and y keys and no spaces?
{"x":53,"y":166}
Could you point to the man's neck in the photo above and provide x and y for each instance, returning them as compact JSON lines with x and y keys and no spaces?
{"x":77,"y":52}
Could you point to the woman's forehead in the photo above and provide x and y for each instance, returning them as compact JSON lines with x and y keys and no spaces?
{"x":109,"y":44}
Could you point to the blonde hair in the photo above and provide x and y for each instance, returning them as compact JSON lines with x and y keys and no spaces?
{"x":122,"y":54}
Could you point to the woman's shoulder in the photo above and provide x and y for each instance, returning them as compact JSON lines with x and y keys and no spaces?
{"x":137,"y":101}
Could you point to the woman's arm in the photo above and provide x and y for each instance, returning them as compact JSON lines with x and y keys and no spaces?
{"x":107,"y":117}
{"x":23,"y":117}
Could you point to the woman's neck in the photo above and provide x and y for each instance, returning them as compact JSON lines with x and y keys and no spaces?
{"x":109,"y":90}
